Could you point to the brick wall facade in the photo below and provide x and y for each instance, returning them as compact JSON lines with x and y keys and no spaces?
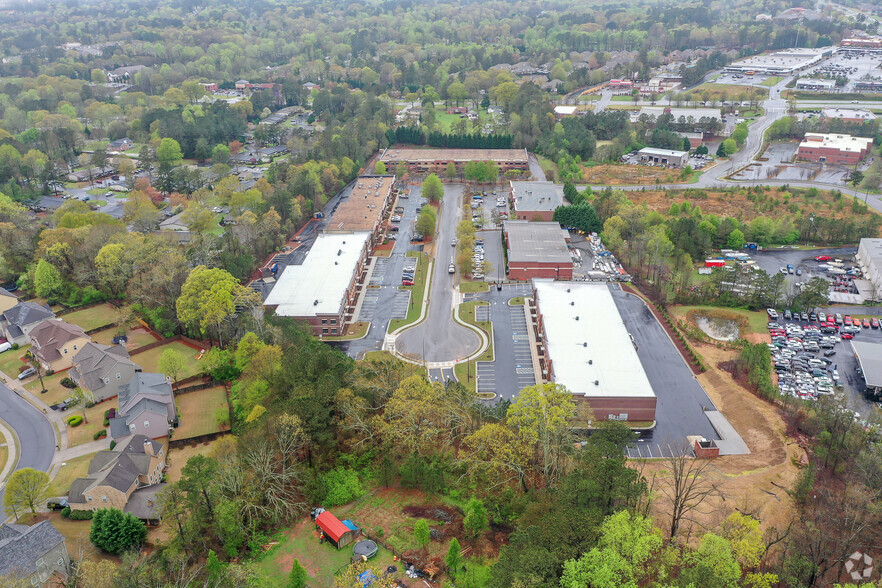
{"x":529,"y":270}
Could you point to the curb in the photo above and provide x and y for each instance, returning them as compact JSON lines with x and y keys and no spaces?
{"x":12,"y":444}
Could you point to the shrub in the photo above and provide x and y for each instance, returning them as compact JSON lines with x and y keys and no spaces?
{"x":112,"y":444}
{"x":67,"y":382}
{"x":14,"y":346}
{"x":49,"y":373}
{"x":106,"y":422}
{"x":100,"y":434}
{"x":80,"y":515}
{"x":65,"y":512}
{"x":75,"y":420}
{"x":341,"y":485}
{"x":115,"y":531}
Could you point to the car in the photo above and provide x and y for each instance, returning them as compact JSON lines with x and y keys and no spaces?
{"x":813,"y":317}
{"x":407,"y":282}
{"x":451,"y":269}
{"x":874,"y":322}
{"x":847,"y":320}
{"x":59,"y":503}
{"x":798,"y":272}
{"x":390,"y":238}
{"x":823,"y":258}
{"x":783,"y":270}
{"x":773,"y":314}
{"x":804,"y":316}
{"x":822,"y":317}
{"x":27,"y":373}
{"x":395,"y":218}
{"x":788,"y":315}
{"x":847,"y":336}
{"x":453,"y":242}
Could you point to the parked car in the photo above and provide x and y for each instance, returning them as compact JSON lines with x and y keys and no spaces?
{"x":27,"y":373}
{"x":451,"y":269}
{"x":874,"y":323}
{"x":823,"y":258}
{"x":59,"y":503}
{"x":865,"y":323}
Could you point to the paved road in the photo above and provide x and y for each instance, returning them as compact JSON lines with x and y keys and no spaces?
{"x":439,"y":338}
{"x":681,"y":399}
{"x":36,"y":438}
{"x":536,"y":169}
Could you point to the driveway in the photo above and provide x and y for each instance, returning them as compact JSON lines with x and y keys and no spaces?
{"x":439,"y":338}
{"x":36,"y":437}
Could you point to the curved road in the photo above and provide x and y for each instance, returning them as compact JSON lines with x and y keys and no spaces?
{"x":439,"y":338}
{"x":36,"y":437}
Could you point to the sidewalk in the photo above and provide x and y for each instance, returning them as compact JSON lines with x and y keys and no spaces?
{"x":11,"y":444}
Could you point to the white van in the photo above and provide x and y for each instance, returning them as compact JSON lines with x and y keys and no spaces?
{"x":5,"y":346}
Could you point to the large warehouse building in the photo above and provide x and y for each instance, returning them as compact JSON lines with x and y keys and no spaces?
{"x":323,"y":289}
{"x":833,"y":148}
{"x":537,"y":250}
{"x":869,"y":258}
{"x":869,"y":358}
{"x":780,"y":62}
{"x":535,"y":200}
{"x":428,"y":161}
{"x":585,"y":346}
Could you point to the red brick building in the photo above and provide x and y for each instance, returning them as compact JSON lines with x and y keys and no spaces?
{"x":435,"y":160}
{"x":833,"y":148}
{"x":537,"y":250}
{"x":535,"y":200}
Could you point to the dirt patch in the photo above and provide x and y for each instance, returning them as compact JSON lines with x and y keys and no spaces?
{"x":627,"y":175}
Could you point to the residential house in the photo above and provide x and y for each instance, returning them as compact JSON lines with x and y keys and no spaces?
{"x":173,"y":223}
{"x":123,"y":144}
{"x":18,"y":321}
{"x":36,"y":554}
{"x":127,"y":477}
{"x":146,"y":407}
{"x":103,"y":369}
{"x":55,"y":342}
{"x":7,"y":300}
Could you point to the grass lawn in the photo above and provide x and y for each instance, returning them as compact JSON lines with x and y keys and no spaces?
{"x":77,"y":467}
{"x":137,"y":337}
{"x":94,"y":317}
{"x":356,"y":331}
{"x":465,"y":371}
{"x":622,"y":98}
{"x":121,"y":195}
{"x":76,"y":535}
{"x":4,"y":454}
{"x":725,"y":91}
{"x":149,"y":360}
{"x":55,"y":391}
{"x":589,"y":97}
{"x":771,"y":81}
{"x":11,"y":360}
{"x":417,"y":292}
{"x":202,"y":412}
{"x":96,"y":191}
{"x":177,"y":457}
{"x":548,"y":166}
{"x":85,"y":432}
{"x":757,"y":320}
{"x":470,"y":287}
{"x":516,"y":301}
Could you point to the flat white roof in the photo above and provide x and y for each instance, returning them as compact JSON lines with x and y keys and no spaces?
{"x":614,"y":363}
{"x":854,"y":113}
{"x":318,"y":285}
{"x":565,"y":109}
{"x":869,"y":356}
{"x":662,"y":152}
{"x":846,"y":143}
{"x":696,"y":113}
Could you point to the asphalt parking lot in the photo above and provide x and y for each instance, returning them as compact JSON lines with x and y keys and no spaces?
{"x":493,"y":254}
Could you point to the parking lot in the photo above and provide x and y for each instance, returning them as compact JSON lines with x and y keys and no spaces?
{"x":855,"y":65}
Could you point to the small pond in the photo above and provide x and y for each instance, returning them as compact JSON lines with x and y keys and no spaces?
{"x":718,"y":328}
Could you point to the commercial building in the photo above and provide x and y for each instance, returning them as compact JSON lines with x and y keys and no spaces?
{"x":365,"y":207}
{"x":869,"y":258}
{"x":535,"y":200}
{"x":323,"y":289}
{"x":862,"y":42}
{"x":813,"y":85}
{"x":583,"y":344}
{"x":663,"y":157}
{"x":561,"y":111}
{"x":696,"y":115}
{"x":833,"y":148}
{"x":781,"y":62}
{"x":849,"y":115}
{"x":869,"y":358}
{"x":427,"y":161}
{"x":537,"y":250}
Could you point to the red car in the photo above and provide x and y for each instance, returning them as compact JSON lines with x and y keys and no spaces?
{"x":865,"y":323}
{"x":823,"y":258}
{"x":874,"y":323}
{"x":847,"y":320}
{"x":407,"y":282}
{"x":847,"y":336}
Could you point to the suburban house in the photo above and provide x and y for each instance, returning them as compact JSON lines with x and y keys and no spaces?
{"x":146,"y":407}
{"x":103,"y":369}
{"x":36,"y":554}
{"x":173,"y":223}
{"x":55,"y":343}
{"x":7,"y":299}
{"x":127,"y":477}
{"x":18,"y":321}
{"x":123,"y":144}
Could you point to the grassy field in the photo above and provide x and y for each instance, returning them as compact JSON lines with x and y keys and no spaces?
{"x":465,"y":371}
{"x":94,"y":317}
{"x":149,"y":360}
{"x":417,"y":292}
{"x":11,"y":360}
{"x":516,"y":301}
{"x":85,"y":432}
{"x":771,"y":81}
{"x":724,"y":91}
{"x":4,"y":454}
{"x":55,"y":391}
{"x":177,"y":457}
{"x":137,"y":337}
{"x":202,"y":412}
{"x":625,"y":175}
{"x":356,"y":331}
{"x":77,"y":467}
{"x":471,"y":287}
{"x":549,"y":167}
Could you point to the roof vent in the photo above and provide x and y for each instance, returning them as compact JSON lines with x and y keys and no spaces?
{"x":568,"y":290}
{"x":339,"y":252}
{"x":315,"y":303}
{"x":585,"y":344}
{"x":597,"y":382}
{"x":577,"y":317}
{"x":590,"y":362}
{"x":572,"y":303}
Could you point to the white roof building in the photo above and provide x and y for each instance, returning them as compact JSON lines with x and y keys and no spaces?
{"x":561,"y":110}
{"x":842,"y":143}
{"x":319,"y":285}
{"x":589,"y":346}
{"x":849,"y":114}
{"x":696,"y":114}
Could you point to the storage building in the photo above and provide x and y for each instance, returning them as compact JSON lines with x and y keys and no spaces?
{"x":334,"y":529}
{"x":663,"y":157}
{"x":537,"y":250}
{"x":833,"y":148}
{"x":535,"y":200}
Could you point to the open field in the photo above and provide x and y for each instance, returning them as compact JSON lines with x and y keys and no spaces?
{"x":4,"y":453}
{"x":417,"y":292}
{"x":94,"y":317}
{"x":771,"y":81}
{"x":55,"y":392}
{"x":77,"y":467}
{"x":198,"y":410}
{"x":757,"y":320}
{"x":178,"y":456}
{"x":149,"y":360}
{"x":470,"y":287}
{"x":138,"y":337}
{"x":11,"y":360}
{"x":718,"y":92}
{"x":84,"y":433}
{"x":626,"y":175}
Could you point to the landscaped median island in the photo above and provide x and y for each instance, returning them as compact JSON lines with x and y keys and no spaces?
{"x":417,"y":292}
{"x":465,"y":372}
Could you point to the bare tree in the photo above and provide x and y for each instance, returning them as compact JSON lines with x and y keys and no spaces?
{"x":687,"y":488}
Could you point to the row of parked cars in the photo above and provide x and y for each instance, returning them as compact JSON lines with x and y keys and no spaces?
{"x":409,"y":271}
{"x":801,"y":371}
{"x":478,"y":260}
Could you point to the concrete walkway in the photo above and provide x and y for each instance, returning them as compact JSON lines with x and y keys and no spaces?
{"x":79,"y":451}
{"x":730,"y":442}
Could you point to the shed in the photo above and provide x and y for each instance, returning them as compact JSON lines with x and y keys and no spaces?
{"x":334,"y":529}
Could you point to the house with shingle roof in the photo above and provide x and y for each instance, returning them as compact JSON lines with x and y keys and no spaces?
{"x":127,"y":477}
{"x":55,"y":342}
{"x":18,"y":321}
{"x":146,"y":407}
{"x":36,"y":554}
{"x":103,"y":369}
{"x":7,"y":299}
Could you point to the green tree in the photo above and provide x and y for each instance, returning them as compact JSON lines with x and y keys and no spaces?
{"x":421,"y":533}
{"x":433,"y":189}
{"x":98,"y":76}
{"x":26,"y":488}
{"x":380,"y":168}
{"x":298,"y":576}
{"x":115,"y":531}
{"x":475,"y":521}
{"x":712,"y":565}
{"x":201,"y":151}
{"x":727,"y":148}
{"x":735,"y":239}
{"x":450,"y":172}
{"x":425,"y":223}
{"x":453,"y":558}
{"x":169,"y":153}
{"x":197,"y":479}
{"x":740,"y":134}
{"x":580,"y":216}
{"x":209,"y":297}
{"x":172,"y":363}
{"x":457,"y":92}
{"x":48,"y":282}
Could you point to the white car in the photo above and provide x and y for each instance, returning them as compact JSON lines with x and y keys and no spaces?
{"x":451,"y":269}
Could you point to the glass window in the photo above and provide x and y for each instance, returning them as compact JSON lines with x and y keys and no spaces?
{"x":118,"y":376}
{"x":325,"y":331}
{"x":334,"y":331}
{"x":103,"y":499}
{"x":146,"y":423}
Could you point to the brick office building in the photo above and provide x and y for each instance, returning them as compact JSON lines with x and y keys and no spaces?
{"x":537,"y":250}
{"x":833,"y":148}
{"x":583,"y":344}
{"x":365,"y":208}
{"x":435,"y":161}
{"x":323,"y":290}
{"x":535,"y":200}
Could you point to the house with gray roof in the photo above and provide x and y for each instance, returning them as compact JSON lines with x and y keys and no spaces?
{"x":55,"y":342}
{"x":18,"y":321}
{"x":146,"y":407}
{"x":7,"y":299}
{"x":127,"y":477}
{"x":36,"y":554}
{"x":103,"y":369}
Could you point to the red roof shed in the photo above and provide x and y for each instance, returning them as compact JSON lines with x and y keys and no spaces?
{"x":334,"y":529}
